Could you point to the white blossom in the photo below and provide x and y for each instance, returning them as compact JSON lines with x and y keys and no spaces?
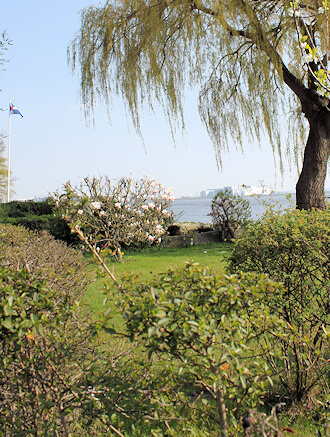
{"x":118,"y":205}
{"x":291,"y":12}
{"x":96,"y":205}
{"x":80,"y":211}
{"x":307,"y":58}
{"x":321,"y":91}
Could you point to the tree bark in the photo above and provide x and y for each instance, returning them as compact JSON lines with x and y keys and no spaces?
{"x":222,"y":413}
{"x":310,"y":185}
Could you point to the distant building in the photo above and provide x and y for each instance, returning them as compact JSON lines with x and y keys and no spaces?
{"x":210,"y":192}
{"x":240,"y":190}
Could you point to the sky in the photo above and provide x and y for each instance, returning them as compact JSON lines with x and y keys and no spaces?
{"x":54,"y":143}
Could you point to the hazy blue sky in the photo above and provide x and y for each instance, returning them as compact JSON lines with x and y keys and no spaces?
{"x":52,"y":143}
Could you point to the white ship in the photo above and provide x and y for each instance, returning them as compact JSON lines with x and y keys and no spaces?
{"x":249,"y":190}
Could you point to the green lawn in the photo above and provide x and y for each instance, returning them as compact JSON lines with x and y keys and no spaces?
{"x":148,"y":262}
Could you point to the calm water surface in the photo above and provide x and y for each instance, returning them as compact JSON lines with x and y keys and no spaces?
{"x":197,"y":209}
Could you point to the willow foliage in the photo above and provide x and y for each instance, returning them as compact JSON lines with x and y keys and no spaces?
{"x":233,"y":50}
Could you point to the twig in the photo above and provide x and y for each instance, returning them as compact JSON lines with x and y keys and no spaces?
{"x":106,"y":268}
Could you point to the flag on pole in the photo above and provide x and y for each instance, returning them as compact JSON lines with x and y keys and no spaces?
{"x":14,"y":110}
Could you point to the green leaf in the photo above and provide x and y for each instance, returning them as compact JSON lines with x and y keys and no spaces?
{"x":270,"y":380}
{"x":163,"y":321}
{"x":110,"y":330}
{"x":192,"y":322}
{"x":9,"y":311}
{"x":107,"y":312}
{"x":151,"y":331}
{"x":243,"y":380}
{"x":7,"y":323}
{"x":153,"y":293}
{"x":160,"y":313}
{"x":34,"y":319}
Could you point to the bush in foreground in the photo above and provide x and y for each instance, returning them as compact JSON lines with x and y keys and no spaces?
{"x":55,"y":378}
{"x":42,"y":345}
{"x":293,"y":247}
{"x":212,"y":329}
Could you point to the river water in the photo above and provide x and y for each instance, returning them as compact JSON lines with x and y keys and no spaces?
{"x":196,"y":209}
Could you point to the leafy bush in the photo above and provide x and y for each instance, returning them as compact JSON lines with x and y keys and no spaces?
{"x":61,"y":266}
{"x":54,"y":377}
{"x":209,"y":325}
{"x":294,"y":247}
{"x":41,"y":347}
{"x":229,"y":212}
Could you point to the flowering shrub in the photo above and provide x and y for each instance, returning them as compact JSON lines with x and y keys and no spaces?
{"x":110,"y":215}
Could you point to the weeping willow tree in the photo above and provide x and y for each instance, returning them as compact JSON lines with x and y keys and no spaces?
{"x":256,"y":63}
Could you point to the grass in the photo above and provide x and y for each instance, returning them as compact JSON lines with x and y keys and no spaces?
{"x":148,"y":262}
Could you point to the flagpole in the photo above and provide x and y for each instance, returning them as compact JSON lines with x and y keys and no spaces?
{"x":8,"y":175}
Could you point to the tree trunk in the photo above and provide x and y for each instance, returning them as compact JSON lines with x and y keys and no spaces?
{"x":222,"y":413}
{"x":310,"y":185}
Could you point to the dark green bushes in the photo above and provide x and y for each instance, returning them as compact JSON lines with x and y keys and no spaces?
{"x":25,"y":208}
{"x":293,"y":247}
{"x":37,"y":216}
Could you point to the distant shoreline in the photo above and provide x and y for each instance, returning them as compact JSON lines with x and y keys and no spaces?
{"x":280,"y":193}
